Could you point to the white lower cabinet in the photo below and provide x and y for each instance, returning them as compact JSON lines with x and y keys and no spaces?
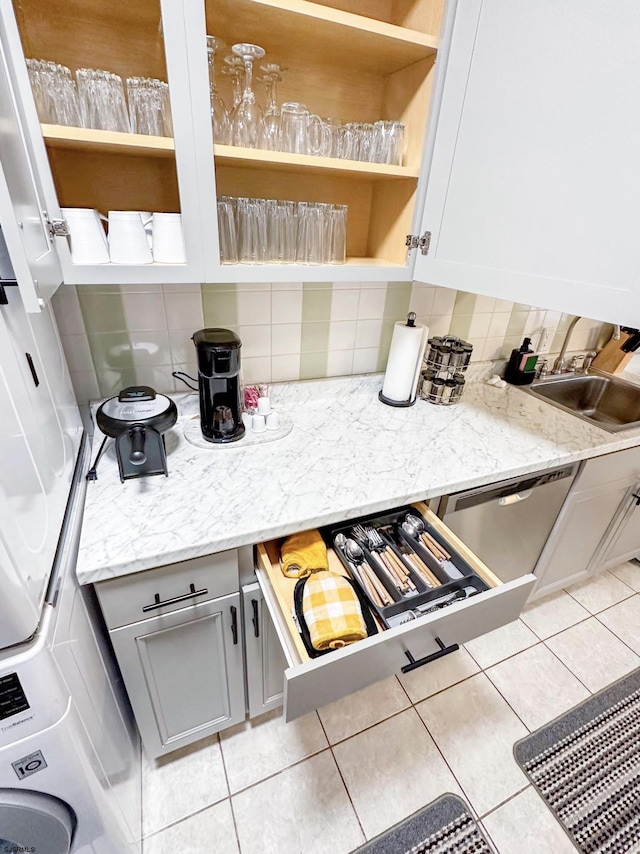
{"x":177,"y":635}
{"x":265,"y":661}
{"x":183,"y":673}
{"x":624,"y":543}
{"x":312,"y":682}
{"x":599,"y":524}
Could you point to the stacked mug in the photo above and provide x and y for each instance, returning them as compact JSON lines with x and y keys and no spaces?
{"x":135,"y":237}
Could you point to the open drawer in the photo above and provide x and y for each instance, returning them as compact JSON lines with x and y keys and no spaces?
{"x":311,"y":683}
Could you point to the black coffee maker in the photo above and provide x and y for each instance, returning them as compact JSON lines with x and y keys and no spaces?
{"x":219,"y":384}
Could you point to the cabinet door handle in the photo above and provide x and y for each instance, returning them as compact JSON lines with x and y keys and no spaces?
{"x":158,"y":603}
{"x":637,"y":498}
{"x":234,"y":624}
{"x":414,"y":664}
{"x":254,"y":619}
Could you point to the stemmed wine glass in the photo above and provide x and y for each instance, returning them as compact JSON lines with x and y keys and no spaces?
{"x":248,"y":117}
{"x":270,"y":138}
{"x":219,"y":115}
{"x":234,"y":68}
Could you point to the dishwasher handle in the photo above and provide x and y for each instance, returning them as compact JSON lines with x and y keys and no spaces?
{"x":515,"y":498}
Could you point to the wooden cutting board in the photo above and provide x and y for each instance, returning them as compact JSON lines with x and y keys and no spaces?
{"x":611,"y":358}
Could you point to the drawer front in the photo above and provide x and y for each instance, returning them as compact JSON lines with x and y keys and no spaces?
{"x":312,"y":683}
{"x":124,"y":600}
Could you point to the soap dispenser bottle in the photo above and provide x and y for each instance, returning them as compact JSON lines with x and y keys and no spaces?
{"x":521,"y":369}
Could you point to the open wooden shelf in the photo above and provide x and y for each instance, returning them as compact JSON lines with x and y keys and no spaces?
{"x":89,"y":139}
{"x":230,"y":155}
{"x":315,"y":33}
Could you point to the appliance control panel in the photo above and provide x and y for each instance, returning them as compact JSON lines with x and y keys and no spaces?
{"x":12,"y":697}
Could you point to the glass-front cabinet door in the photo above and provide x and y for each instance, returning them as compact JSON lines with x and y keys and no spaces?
{"x":315,"y":120}
{"x":104,"y":93}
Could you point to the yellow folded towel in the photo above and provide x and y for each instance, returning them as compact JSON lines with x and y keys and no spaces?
{"x":302,"y":553}
{"x":332,"y":611}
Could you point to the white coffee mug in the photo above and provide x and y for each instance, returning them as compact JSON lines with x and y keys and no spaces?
{"x":168,"y":241}
{"x":129,"y":242}
{"x":87,"y":238}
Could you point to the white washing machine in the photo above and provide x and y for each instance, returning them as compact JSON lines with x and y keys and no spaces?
{"x":69,"y":750}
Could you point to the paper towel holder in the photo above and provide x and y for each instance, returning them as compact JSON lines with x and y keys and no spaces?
{"x":411,"y":322}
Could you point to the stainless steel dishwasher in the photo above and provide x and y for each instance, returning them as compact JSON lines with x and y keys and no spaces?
{"x":507,"y":524}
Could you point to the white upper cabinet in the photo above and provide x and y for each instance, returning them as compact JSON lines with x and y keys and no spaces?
{"x":23,"y":209}
{"x":342,"y":65}
{"x":79,"y":167}
{"x":534,"y":187}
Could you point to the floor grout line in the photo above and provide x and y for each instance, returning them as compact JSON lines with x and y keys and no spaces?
{"x":505,"y":801}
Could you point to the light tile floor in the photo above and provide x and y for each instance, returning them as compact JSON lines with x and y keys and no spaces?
{"x":329,"y":781}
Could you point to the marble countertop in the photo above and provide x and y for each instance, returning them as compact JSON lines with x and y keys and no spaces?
{"x":348,"y":454}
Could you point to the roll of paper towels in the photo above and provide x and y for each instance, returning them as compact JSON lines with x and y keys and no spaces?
{"x":405,"y":359}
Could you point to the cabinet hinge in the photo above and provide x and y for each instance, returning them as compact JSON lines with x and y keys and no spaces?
{"x":58,"y":228}
{"x":413,"y":241}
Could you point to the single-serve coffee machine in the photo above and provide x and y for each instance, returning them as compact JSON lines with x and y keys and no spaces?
{"x":219,"y":384}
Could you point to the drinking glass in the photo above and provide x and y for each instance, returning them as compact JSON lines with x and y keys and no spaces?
{"x":227,"y":231}
{"x":281,"y":231}
{"x":219,"y":116}
{"x":248,"y":118}
{"x":300,"y":132}
{"x":252,"y":228}
{"x":337,"y":234}
{"x":310,"y":243}
{"x":270,"y":139}
{"x":55,"y":93}
{"x":388,"y":142}
{"x":149,"y":110}
{"x":234,"y":69}
{"x":102,"y":103}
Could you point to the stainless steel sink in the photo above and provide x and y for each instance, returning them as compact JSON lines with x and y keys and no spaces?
{"x":603,"y":400}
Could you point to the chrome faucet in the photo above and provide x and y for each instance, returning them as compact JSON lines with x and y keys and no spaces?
{"x":559,"y":364}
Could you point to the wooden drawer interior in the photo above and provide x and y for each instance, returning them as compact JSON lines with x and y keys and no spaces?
{"x":269,"y":560}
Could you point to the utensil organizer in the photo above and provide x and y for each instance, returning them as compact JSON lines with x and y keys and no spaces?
{"x":426,"y":599}
{"x":442,"y":380}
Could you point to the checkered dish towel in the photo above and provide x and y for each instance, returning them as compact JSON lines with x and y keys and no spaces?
{"x":332,"y":611}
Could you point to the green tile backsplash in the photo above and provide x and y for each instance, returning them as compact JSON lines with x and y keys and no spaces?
{"x":290,"y":330}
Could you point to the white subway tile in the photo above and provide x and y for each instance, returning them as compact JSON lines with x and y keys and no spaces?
{"x":253,"y":286}
{"x":184,"y":310}
{"x":444,"y":300}
{"x":498,"y":325}
{"x":439,"y":324}
{"x":339,"y":362}
{"x":371,"y":304}
{"x":492,"y":348}
{"x":342,"y":335}
{"x":368,"y":333}
{"x":181,"y":288}
{"x":480,"y":325}
{"x":503,"y":305}
{"x":181,"y":345}
{"x":285,"y":368}
{"x":256,"y":341}
{"x":485,"y":304}
{"x":159,"y":377}
{"x":285,"y":338}
{"x":257,"y":369}
{"x":422,"y":299}
{"x":144,"y":311}
{"x":286,"y":286}
{"x":150,"y":347}
{"x":254,"y":308}
{"x":286,"y":306}
{"x":365,"y":361}
{"x":344,"y":304}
